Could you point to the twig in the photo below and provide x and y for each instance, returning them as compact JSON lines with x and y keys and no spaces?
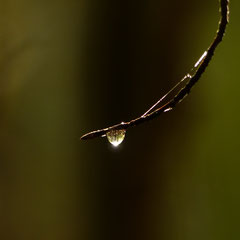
{"x":200,"y":67}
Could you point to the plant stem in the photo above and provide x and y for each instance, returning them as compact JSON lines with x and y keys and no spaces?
{"x":201,"y":66}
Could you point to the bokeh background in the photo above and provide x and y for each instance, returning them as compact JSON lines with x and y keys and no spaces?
{"x":71,"y":66}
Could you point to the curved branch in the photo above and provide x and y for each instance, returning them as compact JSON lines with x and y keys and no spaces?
{"x":200,"y":67}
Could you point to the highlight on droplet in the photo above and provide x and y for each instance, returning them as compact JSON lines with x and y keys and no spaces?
{"x":201,"y":59}
{"x":167,"y":109}
{"x":115,"y":137}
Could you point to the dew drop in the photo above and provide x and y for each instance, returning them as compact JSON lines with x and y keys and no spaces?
{"x":168,"y":109}
{"x":201,"y":59}
{"x":115,"y":137}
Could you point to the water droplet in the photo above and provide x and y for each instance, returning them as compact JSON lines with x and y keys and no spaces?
{"x":115,"y":137}
{"x":168,"y":109}
{"x":201,"y":59}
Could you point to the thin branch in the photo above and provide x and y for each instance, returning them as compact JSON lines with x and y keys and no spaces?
{"x":199,"y":68}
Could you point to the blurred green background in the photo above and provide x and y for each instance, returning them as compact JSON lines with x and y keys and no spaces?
{"x":68,"y":67}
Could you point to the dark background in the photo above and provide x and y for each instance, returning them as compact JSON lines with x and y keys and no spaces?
{"x":68,"y":67}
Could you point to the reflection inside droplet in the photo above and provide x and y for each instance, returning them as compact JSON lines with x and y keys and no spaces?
{"x":115,"y":137}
